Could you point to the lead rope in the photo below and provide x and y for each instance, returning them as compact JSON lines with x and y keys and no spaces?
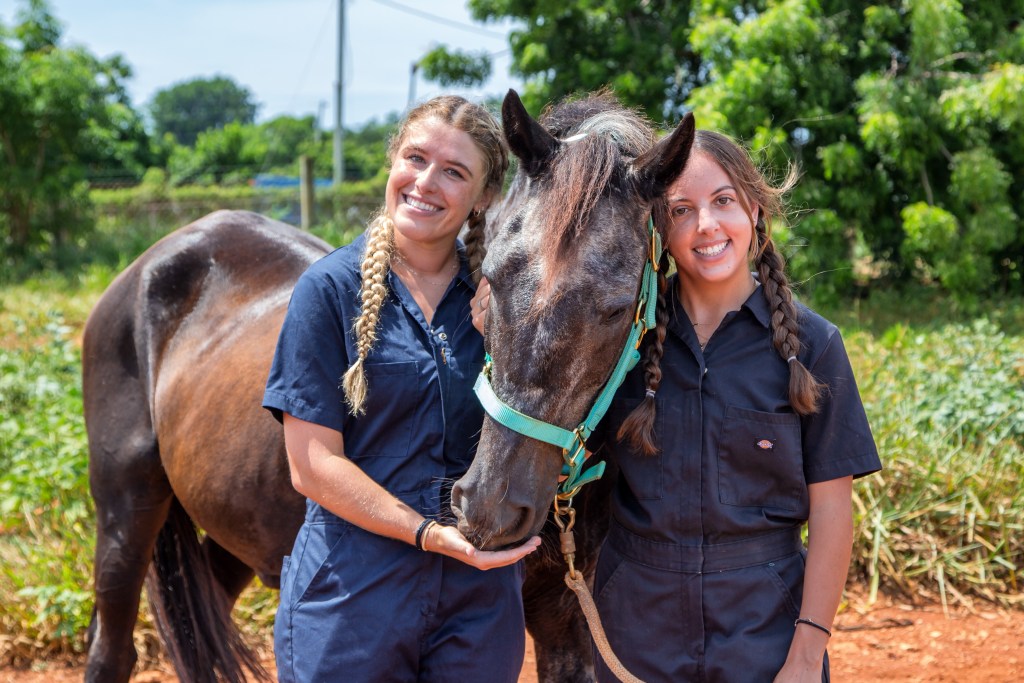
{"x":574,"y":580}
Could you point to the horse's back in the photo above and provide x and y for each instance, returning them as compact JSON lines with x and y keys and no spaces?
{"x":176,"y":353}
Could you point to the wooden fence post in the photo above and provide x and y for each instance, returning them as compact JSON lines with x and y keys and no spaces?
{"x":307,"y":205}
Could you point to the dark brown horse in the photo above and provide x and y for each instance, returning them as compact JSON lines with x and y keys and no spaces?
{"x":174,"y":360}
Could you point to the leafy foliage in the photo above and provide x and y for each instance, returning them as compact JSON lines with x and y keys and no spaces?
{"x":640,"y":49}
{"x":44,"y":516}
{"x":945,"y":517}
{"x":187,"y":109}
{"x":454,"y":67}
{"x":61,"y":111}
{"x":885,"y":107}
{"x":235,"y":153}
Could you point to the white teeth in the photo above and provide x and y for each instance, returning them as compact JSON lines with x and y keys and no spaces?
{"x":423,"y":206}
{"x":711,"y":251}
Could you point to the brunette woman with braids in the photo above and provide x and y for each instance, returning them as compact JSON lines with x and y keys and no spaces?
{"x":373,"y":380}
{"x":742,"y":424}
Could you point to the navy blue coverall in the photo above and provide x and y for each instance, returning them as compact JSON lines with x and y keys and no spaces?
{"x":701,"y":576}
{"x":356,"y":606}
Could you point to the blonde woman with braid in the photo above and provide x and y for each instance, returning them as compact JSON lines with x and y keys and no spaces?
{"x":372,"y":379}
{"x":742,"y":424}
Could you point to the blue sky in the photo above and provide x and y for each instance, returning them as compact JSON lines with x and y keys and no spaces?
{"x":283,"y":51}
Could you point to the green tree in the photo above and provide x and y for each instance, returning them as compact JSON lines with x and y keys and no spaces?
{"x":119,"y":151}
{"x":905,"y":118}
{"x":220,"y":155}
{"x":191,"y":107}
{"x":60,"y":107}
{"x":640,"y":49}
{"x":889,"y":108}
{"x":453,"y":67}
{"x":236,"y":153}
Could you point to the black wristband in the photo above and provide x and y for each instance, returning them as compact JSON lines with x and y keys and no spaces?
{"x":419,"y":532}
{"x":804,"y":620}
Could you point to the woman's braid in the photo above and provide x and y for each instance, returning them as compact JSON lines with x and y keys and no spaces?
{"x":638,"y":428}
{"x":373,"y":291}
{"x":804,"y":389}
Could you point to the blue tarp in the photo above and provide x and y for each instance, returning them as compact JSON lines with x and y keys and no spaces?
{"x":270,"y":180}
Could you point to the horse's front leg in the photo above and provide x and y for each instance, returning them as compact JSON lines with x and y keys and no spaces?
{"x":561,"y":637}
{"x":555,"y":621}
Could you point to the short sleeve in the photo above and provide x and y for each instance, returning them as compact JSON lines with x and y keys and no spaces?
{"x":837,"y":439}
{"x":311,"y":355}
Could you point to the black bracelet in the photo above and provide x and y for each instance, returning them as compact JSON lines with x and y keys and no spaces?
{"x":420,"y":531}
{"x":804,"y":620}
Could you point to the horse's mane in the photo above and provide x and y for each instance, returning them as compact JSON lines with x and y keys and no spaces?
{"x":583,"y":170}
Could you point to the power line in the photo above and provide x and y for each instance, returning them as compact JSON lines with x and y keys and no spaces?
{"x":440,"y":20}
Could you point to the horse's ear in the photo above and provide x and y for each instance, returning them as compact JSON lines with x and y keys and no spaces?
{"x":657,"y":168}
{"x":527,"y":139}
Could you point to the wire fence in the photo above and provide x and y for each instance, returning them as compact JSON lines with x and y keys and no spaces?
{"x":162,"y":212}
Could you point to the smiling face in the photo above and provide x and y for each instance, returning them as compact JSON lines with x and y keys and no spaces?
{"x":711,"y":228}
{"x":436,"y":181}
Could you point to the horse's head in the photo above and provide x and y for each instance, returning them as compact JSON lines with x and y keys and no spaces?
{"x":565,"y":271}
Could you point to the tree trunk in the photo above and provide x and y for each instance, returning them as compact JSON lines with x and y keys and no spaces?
{"x":21,"y":223}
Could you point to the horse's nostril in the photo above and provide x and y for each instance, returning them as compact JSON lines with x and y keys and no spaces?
{"x":457,"y":494}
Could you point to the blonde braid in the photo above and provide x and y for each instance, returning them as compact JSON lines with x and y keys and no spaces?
{"x":373,"y":291}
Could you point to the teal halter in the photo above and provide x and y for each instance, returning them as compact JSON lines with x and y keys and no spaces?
{"x":573,"y":443}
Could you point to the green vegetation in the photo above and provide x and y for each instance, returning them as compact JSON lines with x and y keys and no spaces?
{"x":945,"y":518}
{"x":68,"y":131}
{"x":904,"y":118}
{"x":906,"y":122}
{"x":61,"y":109}
{"x":186,"y":109}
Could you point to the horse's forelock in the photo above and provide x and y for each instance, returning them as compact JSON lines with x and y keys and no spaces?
{"x":582,"y":171}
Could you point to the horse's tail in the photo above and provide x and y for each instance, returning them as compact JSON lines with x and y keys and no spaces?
{"x":192,"y":611}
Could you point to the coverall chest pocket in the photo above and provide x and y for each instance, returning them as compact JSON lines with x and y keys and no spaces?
{"x":643,"y":472}
{"x":393,"y":399}
{"x":760,"y":460}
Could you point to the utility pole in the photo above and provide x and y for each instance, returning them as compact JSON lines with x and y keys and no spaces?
{"x":339,"y":132}
{"x":412,"y":85}
{"x":317,"y":131}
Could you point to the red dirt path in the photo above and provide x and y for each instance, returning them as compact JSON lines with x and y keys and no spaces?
{"x":886,"y":643}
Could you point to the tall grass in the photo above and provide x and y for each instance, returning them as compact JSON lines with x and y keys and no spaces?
{"x":947,"y":409}
{"x":943,"y":520}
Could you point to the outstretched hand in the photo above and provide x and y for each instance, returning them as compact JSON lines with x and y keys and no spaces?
{"x":481,"y":300}
{"x":447,"y":540}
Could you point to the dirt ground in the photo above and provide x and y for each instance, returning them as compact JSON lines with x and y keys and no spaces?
{"x":884,"y":643}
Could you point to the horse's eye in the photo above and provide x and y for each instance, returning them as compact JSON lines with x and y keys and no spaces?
{"x":615,"y":315}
